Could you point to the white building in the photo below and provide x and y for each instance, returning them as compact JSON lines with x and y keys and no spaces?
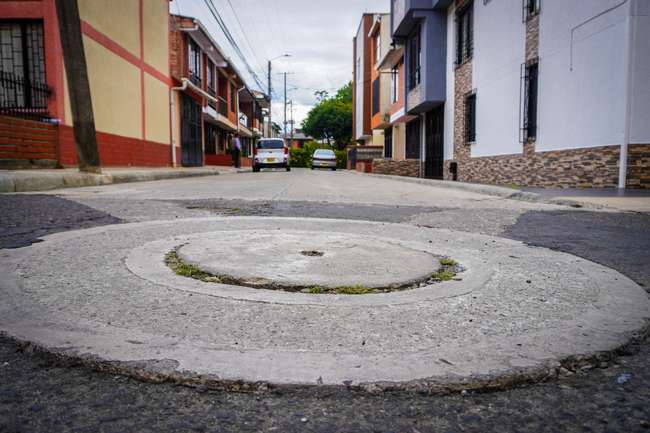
{"x":536,"y":92}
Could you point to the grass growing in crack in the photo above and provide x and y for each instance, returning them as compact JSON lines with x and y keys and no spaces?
{"x":449,"y":269}
{"x":353,"y":290}
{"x":186,"y":270}
{"x":443,"y":275}
{"x":345,"y":290}
{"x":448,"y":262}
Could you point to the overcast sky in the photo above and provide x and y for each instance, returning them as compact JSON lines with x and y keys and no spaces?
{"x":317,"y":33}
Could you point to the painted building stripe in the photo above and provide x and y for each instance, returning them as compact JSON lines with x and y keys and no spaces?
{"x":118,"y":50}
{"x":143,"y":111}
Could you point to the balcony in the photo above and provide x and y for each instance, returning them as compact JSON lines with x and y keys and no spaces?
{"x":244,"y":120}
{"x":405,"y":17}
{"x":223,"y":107}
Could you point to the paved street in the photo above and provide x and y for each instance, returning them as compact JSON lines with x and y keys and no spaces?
{"x":39,"y":393}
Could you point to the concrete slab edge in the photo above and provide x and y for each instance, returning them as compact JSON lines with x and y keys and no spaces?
{"x":493,"y":190}
{"x":51,"y":181}
{"x":164,"y":371}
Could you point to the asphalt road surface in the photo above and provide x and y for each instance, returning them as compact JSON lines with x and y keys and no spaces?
{"x":41,"y":394}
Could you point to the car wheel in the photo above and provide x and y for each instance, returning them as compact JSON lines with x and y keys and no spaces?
{"x":333,"y":168}
{"x":312,"y":167}
{"x":256,"y":169}
{"x":288,"y":168}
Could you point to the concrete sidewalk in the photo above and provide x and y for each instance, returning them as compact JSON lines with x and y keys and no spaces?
{"x":43,"y":180}
{"x":592,"y":198}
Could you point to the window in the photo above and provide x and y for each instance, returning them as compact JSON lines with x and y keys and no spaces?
{"x":464,"y":34}
{"x":413,"y":139}
{"x":470,"y":118}
{"x":375,"y":96}
{"x":211,"y":82}
{"x":530,"y":8}
{"x":377,"y":48}
{"x":22,"y":67}
{"x":414,"y":60}
{"x":194,"y":62}
{"x":529,"y":82}
{"x":388,"y":143}
{"x":233,"y":97}
{"x":394,"y":84}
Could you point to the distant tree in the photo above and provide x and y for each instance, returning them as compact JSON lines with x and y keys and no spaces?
{"x":321,"y":95}
{"x":345,"y":93}
{"x":331,"y":118}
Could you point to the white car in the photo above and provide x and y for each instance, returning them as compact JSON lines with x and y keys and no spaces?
{"x":271,"y":153}
{"x":323,"y":158}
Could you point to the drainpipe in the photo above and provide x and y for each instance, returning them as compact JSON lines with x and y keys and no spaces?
{"x":172,"y":105}
{"x":172,"y":108}
{"x":629,"y":71}
{"x":629,"y":89}
{"x":186,"y":83}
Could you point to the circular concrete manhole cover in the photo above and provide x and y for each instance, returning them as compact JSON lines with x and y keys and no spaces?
{"x":278,"y":259}
{"x":107,"y":294}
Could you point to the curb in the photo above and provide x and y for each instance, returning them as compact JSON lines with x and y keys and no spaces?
{"x":50,"y":181}
{"x":497,"y":191}
{"x":165,"y":372}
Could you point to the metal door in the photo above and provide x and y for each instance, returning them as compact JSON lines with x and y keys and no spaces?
{"x":434,"y":139}
{"x":191,"y":147}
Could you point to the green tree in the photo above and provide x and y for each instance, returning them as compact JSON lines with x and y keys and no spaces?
{"x":331,"y":118}
{"x":345,"y":93}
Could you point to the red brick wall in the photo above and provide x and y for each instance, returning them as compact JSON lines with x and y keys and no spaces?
{"x":27,"y":140}
{"x":219,"y":159}
{"x":115,"y":150}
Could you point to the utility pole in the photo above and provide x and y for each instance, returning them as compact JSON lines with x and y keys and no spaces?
{"x":285,"y":105}
{"x":76,"y":71}
{"x":270,"y":103}
{"x":291,"y":121}
{"x":285,"y":101}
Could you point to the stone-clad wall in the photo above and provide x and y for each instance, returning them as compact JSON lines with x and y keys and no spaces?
{"x":638,"y":166}
{"x":595,"y":167}
{"x":407,"y":167}
{"x":592,"y":167}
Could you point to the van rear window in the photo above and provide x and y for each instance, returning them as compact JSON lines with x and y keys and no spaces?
{"x":270,"y":144}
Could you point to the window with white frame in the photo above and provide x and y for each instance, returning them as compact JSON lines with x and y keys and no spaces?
{"x":194,"y":61}
{"x":394,"y":84}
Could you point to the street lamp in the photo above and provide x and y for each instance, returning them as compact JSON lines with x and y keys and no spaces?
{"x":270,"y":90}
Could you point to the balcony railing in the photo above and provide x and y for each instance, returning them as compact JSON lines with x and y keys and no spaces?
{"x":24,"y":99}
{"x":244,"y":120}
{"x":223,"y":107}
{"x":212,"y":92}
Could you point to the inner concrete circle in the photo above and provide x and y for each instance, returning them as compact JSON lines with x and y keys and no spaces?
{"x":106,"y":295}
{"x":277,"y":258}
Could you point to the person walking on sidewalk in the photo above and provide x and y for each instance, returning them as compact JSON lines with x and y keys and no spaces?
{"x":236,"y":151}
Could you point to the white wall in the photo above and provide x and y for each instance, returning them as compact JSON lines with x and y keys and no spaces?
{"x":449,"y":102}
{"x":499,"y":51}
{"x":640,"y":128}
{"x":582,"y":107}
{"x":359,"y":82}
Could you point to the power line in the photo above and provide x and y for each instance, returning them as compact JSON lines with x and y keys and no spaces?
{"x":233,"y":43}
{"x":241,"y":28}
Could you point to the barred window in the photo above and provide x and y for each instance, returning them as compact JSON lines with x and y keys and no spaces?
{"x":530,"y":8}
{"x":465,"y":33}
{"x":470,"y":118}
{"x":529,"y":85}
{"x":414,"y":60}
